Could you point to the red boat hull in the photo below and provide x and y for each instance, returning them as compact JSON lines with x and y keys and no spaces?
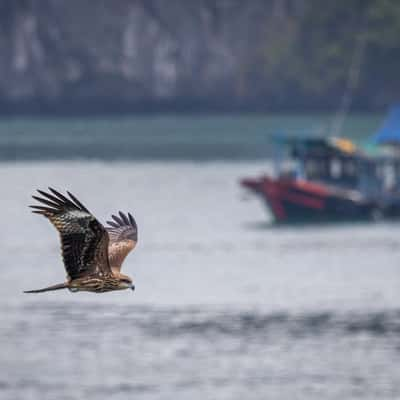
{"x":298,"y":200}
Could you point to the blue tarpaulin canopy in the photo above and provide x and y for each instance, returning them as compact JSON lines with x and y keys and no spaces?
{"x":389,"y":133}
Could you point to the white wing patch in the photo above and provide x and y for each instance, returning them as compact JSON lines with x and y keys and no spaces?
{"x":77,"y":214}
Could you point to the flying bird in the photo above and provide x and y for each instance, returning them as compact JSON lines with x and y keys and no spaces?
{"x":92,"y":254}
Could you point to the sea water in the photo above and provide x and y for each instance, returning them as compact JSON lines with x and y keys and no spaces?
{"x":226,"y":305}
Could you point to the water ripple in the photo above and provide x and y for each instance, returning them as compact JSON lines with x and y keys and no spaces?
{"x":211,"y":322}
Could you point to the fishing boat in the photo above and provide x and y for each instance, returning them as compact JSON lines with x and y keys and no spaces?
{"x":328,"y":179}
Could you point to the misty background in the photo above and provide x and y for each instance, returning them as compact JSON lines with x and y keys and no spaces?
{"x":74,"y":57}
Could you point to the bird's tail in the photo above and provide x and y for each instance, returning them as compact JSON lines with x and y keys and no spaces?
{"x":48,"y":289}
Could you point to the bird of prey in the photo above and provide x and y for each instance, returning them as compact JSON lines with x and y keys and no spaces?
{"x":92,"y":254}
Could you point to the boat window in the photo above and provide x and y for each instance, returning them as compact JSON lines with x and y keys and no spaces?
{"x":350,"y":168}
{"x":316,"y":169}
{"x":336,"y":168}
{"x":389,"y":177}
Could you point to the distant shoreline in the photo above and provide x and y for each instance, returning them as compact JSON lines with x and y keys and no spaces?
{"x":109,"y":108}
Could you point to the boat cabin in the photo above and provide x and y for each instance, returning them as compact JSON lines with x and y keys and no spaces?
{"x":337,"y":162}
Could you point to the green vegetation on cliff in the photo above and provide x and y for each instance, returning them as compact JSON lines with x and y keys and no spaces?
{"x":198,"y":55}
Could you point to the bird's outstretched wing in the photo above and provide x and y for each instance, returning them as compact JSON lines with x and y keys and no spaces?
{"x":84,"y":240}
{"x":123,"y":238}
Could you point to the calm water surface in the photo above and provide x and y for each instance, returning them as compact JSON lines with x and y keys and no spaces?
{"x":164,"y":137}
{"x":225,"y":307}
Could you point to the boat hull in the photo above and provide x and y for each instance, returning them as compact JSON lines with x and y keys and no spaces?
{"x":293,"y":200}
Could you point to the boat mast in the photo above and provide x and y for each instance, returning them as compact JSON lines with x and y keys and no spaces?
{"x":352,"y":79}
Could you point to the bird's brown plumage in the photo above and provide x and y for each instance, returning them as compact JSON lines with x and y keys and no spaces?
{"x":123,"y":238}
{"x":85,"y":243}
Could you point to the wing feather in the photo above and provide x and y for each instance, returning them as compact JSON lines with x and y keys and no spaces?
{"x":84,"y":241}
{"x":123,"y":235}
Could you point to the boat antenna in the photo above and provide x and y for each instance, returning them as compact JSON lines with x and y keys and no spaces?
{"x":352,"y":78}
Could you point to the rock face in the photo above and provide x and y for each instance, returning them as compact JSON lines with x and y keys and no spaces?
{"x":149,"y":54}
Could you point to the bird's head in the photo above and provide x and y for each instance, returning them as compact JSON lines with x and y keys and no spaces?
{"x":126,"y":283}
